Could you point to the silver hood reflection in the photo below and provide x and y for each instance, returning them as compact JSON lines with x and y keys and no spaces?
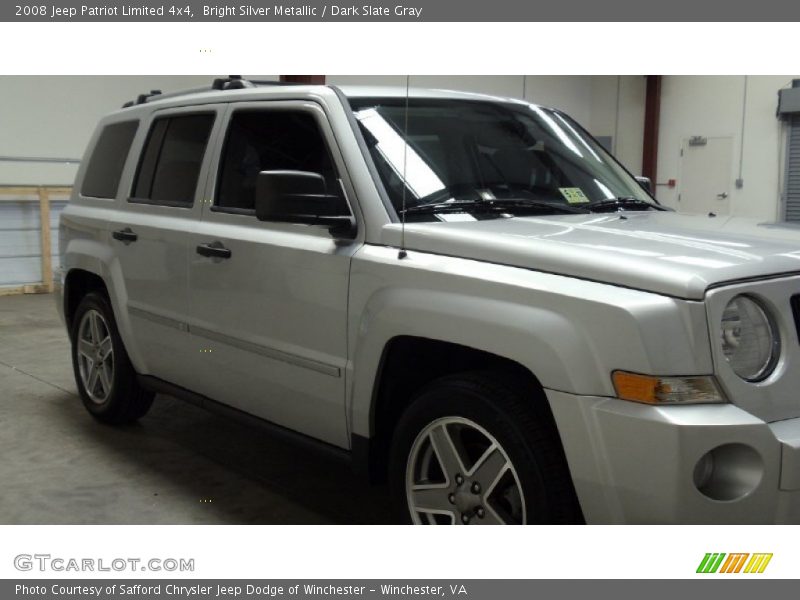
{"x":664,"y":252}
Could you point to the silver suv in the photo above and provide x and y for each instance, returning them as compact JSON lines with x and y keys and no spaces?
{"x":464,"y":294}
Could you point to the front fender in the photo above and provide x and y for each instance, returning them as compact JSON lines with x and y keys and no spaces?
{"x":570,"y":333}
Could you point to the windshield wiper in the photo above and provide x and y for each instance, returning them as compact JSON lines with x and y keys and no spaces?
{"x":620,"y":202}
{"x":495,"y":205}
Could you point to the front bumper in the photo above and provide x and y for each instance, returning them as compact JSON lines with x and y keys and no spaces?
{"x":635,"y":463}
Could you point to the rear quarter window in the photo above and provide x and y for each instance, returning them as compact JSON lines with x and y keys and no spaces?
{"x":108,"y":159}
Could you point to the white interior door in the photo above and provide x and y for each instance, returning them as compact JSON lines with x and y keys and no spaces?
{"x":706,"y":176}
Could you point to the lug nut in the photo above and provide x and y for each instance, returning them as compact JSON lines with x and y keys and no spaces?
{"x":480,"y":512}
{"x":459,"y":479}
{"x":465,"y":519}
{"x":451,"y":498}
{"x":476,"y":488}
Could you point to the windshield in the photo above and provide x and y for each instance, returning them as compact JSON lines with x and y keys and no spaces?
{"x":473,"y":153}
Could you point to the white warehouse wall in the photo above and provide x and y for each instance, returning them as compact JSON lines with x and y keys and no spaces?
{"x":713,"y":106}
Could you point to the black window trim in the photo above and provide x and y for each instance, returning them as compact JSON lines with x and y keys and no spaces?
{"x":169,"y":204}
{"x":231,"y":210}
{"x":251,"y":212}
{"x":113,"y":198}
{"x":170,"y":115}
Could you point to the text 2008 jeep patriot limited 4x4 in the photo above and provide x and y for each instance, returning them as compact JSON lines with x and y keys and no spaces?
{"x":465,"y":294}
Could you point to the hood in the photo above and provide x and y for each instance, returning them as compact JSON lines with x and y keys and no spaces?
{"x":663,"y":252}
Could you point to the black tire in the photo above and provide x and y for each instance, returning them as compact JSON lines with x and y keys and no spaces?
{"x":127,"y":400}
{"x":521,"y":423}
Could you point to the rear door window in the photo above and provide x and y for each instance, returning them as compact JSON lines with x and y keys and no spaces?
{"x":108,"y":159}
{"x":170,"y":164}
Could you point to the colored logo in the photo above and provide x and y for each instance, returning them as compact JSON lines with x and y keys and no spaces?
{"x":719,"y":562}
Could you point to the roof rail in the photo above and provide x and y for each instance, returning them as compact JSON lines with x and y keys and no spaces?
{"x":232,"y":82}
{"x":142,"y":98}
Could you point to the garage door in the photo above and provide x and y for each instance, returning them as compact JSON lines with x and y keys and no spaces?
{"x":793,"y":170}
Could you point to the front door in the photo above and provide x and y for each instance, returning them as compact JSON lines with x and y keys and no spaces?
{"x":269,"y":300}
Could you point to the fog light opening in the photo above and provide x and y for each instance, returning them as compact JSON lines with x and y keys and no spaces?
{"x":728,"y":472}
{"x":703,"y":470}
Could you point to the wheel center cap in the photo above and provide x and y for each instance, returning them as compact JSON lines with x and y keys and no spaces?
{"x":465,"y":501}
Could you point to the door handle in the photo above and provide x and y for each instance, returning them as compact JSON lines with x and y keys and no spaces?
{"x":125,"y":235}
{"x":722,"y":196}
{"x":214,"y":250}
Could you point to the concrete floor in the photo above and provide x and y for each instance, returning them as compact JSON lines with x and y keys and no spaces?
{"x":178,"y":465}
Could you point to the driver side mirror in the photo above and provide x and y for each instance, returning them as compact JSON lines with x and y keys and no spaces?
{"x":302,"y":197}
{"x":646,"y":184}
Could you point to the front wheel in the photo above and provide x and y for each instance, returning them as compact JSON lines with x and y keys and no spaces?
{"x":472,"y":450}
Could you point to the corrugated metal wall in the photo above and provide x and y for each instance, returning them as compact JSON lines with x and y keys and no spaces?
{"x":793,"y":170}
{"x":20,"y":238}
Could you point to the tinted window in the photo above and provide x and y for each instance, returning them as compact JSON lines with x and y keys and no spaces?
{"x":170,"y":164}
{"x":270,"y":141}
{"x":108,"y":160}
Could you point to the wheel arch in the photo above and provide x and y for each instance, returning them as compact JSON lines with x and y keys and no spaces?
{"x":77,"y":283}
{"x":538,"y":340}
{"x":409,"y":363}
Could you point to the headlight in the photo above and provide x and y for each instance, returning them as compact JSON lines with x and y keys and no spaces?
{"x":750,"y":340}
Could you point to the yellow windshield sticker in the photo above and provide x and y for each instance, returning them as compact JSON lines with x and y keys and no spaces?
{"x":573,"y":195}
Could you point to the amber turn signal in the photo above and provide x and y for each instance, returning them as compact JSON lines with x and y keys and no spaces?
{"x":650,"y":389}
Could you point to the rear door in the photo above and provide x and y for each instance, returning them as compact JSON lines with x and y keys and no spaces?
{"x":271,"y":307}
{"x":150,"y":234}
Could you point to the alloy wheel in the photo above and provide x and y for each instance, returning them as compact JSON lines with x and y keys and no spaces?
{"x":95,"y":356}
{"x":459,"y":474}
